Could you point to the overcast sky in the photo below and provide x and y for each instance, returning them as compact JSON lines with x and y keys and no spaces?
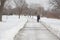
{"x":43,"y":3}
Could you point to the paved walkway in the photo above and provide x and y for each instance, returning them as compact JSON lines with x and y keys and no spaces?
{"x":34,"y":31}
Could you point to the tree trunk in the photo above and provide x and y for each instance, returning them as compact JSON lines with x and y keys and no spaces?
{"x":1,"y":8}
{"x":0,"y":17}
{"x":19,"y":12}
{"x":0,"y":13}
{"x":19,"y":15}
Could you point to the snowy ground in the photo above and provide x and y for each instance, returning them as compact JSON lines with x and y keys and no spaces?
{"x":52,"y":24}
{"x":10,"y":26}
{"x":34,"y":31}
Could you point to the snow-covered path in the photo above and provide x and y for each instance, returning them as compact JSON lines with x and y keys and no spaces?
{"x":34,"y":31}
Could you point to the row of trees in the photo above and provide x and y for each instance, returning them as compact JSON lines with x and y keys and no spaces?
{"x":21,"y":7}
{"x":19,"y":4}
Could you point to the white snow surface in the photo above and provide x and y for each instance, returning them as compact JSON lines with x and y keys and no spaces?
{"x":10,"y":26}
{"x":54,"y":23}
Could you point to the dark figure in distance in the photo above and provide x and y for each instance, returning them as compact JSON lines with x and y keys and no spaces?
{"x":38,"y":18}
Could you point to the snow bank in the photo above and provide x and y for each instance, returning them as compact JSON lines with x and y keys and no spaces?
{"x":10,"y":26}
{"x":53,"y":25}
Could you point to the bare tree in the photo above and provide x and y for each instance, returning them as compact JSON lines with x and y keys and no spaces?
{"x":56,"y":8}
{"x":55,"y":3}
{"x":1,"y":8}
{"x":20,"y":4}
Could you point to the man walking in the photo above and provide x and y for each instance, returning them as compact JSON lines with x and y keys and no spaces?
{"x":38,"y":18}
